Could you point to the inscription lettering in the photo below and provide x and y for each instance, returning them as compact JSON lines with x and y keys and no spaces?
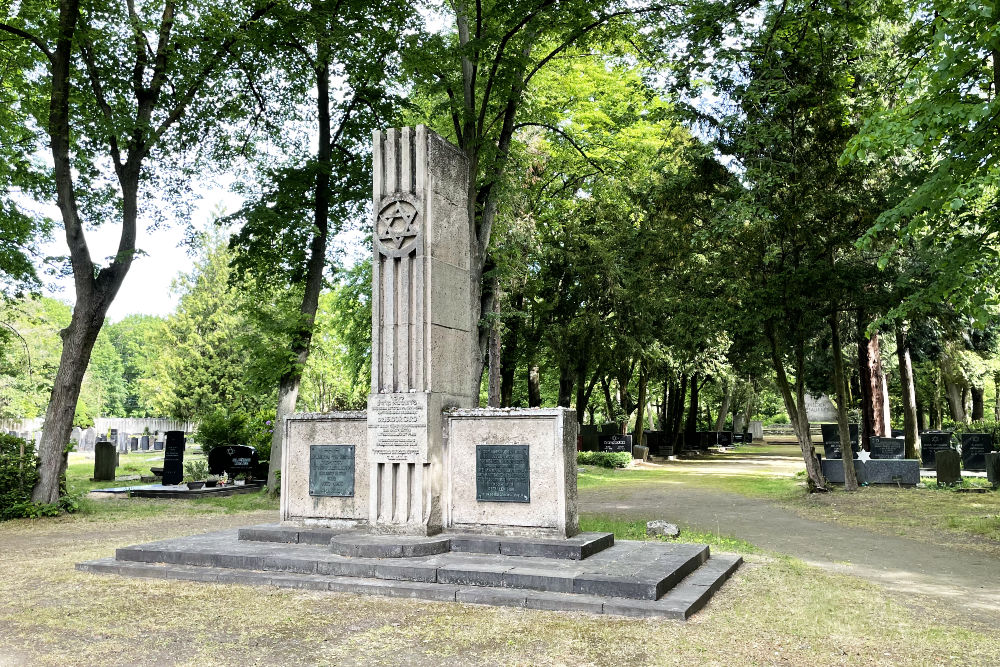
{"x":503,"y":473}
{"x":397,"y":419}
{"x":331,"y":470}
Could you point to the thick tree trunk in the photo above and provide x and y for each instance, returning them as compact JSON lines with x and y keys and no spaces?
{"x":850,"y":478}
{"x":720,"y":423}
{"x":661,"y":414}
{"x":534,"y":388}
{"x":908,"y":389}
{"x":978,"y":404}
{"x":874,"y":388}
{"x":678,"y":412}
{"x":288,"y":386}
{"x":953,"y":392}
{"x":78,"y":343}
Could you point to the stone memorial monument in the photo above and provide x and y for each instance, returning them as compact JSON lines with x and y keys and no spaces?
{"x":423,"y":459}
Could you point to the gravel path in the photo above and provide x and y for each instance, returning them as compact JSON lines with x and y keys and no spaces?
{"x":967,"y":582}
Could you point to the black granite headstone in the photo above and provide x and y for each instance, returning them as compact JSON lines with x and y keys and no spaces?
{"x":975,"y":447}
{"x":104,"y":462}
{"x":158,"y":446}
{"x":887,"y":448}
{"x":331,"y":470}
{"x":133,"y":444}
{"x":173,"y":458}
{"x":932,"y":442}
{"x":232,"y":459}
{"x":144,"y":443}
{"x":588,"y":437}
{"x":993,"y":468}
{"x":831,"y":440}
{"x":946,"y":461}
{"x":503,"y":473}
{"x":614,"y":442}
{"x":725,"y":438}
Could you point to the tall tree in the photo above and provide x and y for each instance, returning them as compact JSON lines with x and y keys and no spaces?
{"x":110,"y":87}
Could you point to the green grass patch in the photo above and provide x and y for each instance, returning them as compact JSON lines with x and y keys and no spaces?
{"x":768,"y":487}
{"x":636,"y":530}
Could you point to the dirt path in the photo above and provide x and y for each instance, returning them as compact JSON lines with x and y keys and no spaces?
{"x":969,"y":583}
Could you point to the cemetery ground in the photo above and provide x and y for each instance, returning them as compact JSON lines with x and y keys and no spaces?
{"x":808,"y":593}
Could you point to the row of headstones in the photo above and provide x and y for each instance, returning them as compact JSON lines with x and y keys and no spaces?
{"x":604,"y":438}
{"x":236,"y":458}
{"x":974,"y":446}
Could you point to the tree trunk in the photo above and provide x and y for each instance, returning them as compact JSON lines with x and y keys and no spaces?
{"x":508,"y":357}
{"x":850,"y":478}
{"x":567,"y":377}
{"x":677,"y":420}
{"x":720,"y":423}
{"x":691,"y":425}
{"x":874,"y":388}
{"x":494,"y":394}
{"x":78,"y":343}
{"x":978,"y":404}
{"x":637,"y":432}
{"x":813,"y":470}
{"x":908,"y":389}
{"x":953,"y":391}
{"x":662,"y":412}
{"x":288,"y":387}
{"x":996,"y":397}
{"x":534,"y":388}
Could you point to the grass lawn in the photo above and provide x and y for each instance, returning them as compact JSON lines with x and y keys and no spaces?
{"x":775,"y":611}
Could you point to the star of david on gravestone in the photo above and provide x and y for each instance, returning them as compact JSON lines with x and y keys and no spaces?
{"x":864,"y":455}
{"x":396,"y":223}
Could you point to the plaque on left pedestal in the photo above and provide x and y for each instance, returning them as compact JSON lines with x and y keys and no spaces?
{"x":331,"y":470}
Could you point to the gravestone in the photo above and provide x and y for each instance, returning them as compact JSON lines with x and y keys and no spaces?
{"x":233,"y":459}
{"x":173,"y":458}
{"x":947,"y":463}
{"x":993,"y":468}
{"x":104,"y":462}
{"x":426,"y":458}
{"x":616,"y":442}
{"x":975,"y":447}
{"x":831,"y":440}
{"x":898,"y":433}
{"x":75,"y":435}
{"x":589,"y":437}
{"x":133,"y":444}
{"x":88,"y":440}
{"x":158,"y":446}
{"x":725,"y":438}
{"x":144,"y":443}
{"x":932,"y":442}
{"x":887,"y":448}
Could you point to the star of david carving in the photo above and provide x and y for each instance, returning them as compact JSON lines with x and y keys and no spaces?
{"x":397,"y":224}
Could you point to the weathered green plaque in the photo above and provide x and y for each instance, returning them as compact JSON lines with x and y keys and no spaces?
{"x":331,"y":470}
{"x":503,"y":474}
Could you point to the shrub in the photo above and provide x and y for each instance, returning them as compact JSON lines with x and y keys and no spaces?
{"x":604,"y":459}
{"x":195,"y":471}
{"x":222,"y":429}
{"x":18,"y":475}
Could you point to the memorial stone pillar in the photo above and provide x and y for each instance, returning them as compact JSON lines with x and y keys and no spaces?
{"x":423,"y":333}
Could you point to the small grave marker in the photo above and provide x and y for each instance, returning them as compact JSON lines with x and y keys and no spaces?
{"x":946,"y":461}
{"x":616,"y":442}
{"x":104,"y":462}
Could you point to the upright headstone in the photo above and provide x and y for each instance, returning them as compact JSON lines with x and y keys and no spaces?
{"x":104,"y":462}
{"x":158,"y":446}
{"x":947,"y":463}
{"x":616,"y":442}
{"x":757,"y":429}
{"x":133,"y":444}
{"x":89,"y":440}
{"x":75,"y":436}
{"x":423,"y":335}
{"x":173,"y":458}
{"x":588,"y":438}
{"x":975,"y":447}
{"x":831,"y":440}
{"x":932,"y":442}
{"x":993,"y":468}
{"x":144,"y":443}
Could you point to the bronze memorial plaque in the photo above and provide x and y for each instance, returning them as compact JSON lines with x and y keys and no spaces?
{"x":331,"y":470}
{"x":503,"y":474}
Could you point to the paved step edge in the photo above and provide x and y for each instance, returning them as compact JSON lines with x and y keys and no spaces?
{"x":404,"y":589}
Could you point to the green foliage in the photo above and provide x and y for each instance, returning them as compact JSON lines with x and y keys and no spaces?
{"x":604,"y":459}
{"x":196,"y":471}
{"x":222,"y":428}
{"x":18,"y":475}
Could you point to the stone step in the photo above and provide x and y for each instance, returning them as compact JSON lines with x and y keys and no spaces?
{"x":637,"y":570}
{"x":687,"y":598}
{"x":578,"y":547}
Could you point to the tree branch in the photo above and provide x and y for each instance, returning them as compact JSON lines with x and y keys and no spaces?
{"x":568,"y":138}
{"x":31,"y":38}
